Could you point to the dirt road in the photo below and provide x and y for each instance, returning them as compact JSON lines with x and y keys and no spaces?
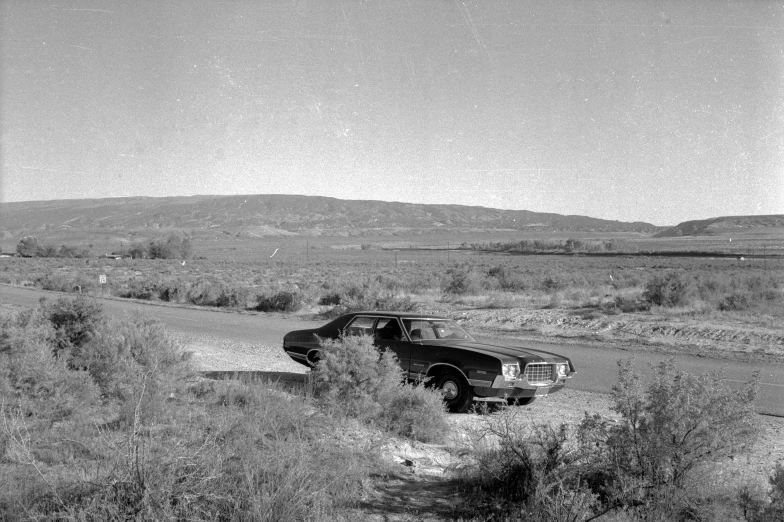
{"x":257,"y":334}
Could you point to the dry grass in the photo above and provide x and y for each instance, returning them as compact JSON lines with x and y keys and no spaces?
{"x":487,"y":280}
{"x":139,"y":436}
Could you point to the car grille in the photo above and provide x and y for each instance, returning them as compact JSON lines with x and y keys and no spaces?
{"x":539,"y":373}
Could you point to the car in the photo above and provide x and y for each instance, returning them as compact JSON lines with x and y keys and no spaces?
{"x":435,"y":349}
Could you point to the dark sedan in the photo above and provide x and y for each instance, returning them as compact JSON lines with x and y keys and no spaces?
{"x":435,"y":348}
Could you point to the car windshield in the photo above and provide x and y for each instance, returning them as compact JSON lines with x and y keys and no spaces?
{"x":434,"y":329}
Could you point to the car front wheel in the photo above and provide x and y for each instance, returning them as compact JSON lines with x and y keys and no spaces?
{"x":458,"y":395}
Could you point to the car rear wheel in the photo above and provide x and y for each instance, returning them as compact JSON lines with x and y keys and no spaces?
{"x":314,"y":357}
{"x":458,"y":395}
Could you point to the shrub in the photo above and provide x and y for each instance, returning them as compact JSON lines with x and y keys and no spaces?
{"x":203,"y":292}
{"x":368,"y":295}
{"x":414,"y":411}
{"x":42,"y":388}
{"x":463,"y":280}
{"x":171,"y":291}
{"x":24,"y":326}
{"x":552,"y":283}
{"x":529,"y":474}
{"x":669,"y":290}
{"x":630,"y":305}
{"x":63,"y":282}
{"x":508,"y":279}
{"x":734,"y":301}
{"x":139,"y":289}
{"x":765,"y":510}
{"x":285,"y":301}
{"x":37,"y":392}
{"x":233,"y":296}
{"x":75,"y":321}
{"x":134,"y":361}
{"x":351,"y":378}
{"x":646,"y":464}
{"x":330,"y":299}
{"x":175,"y":247}
{"x":205,"y":460}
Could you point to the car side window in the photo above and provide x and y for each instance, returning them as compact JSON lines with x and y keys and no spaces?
{"x":361,"y":326}
{"x":389,"y":329}
{"x":419,"y":330}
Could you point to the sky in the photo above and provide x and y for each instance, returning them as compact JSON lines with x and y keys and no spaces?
{"x":656,"y":111}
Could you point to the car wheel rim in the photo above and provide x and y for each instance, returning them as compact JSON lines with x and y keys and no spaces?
{"x":450,"y":390}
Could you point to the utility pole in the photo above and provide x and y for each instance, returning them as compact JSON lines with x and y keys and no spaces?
{"x":447,"y":252}
{"x":765,"y":257}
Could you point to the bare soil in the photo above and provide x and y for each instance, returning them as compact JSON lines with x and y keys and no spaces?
{"x":418,"y":481}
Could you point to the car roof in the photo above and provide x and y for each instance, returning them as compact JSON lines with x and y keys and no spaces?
{"x":402,"y":315}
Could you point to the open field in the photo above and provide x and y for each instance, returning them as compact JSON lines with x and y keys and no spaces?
{"x":240,"y":245}
{"x":730,"y":308}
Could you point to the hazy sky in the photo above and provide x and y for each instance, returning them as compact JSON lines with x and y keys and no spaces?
{"x":632,"y":110}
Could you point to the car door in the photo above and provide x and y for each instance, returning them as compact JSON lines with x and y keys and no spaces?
{"x":422,"y":354}
{"x":388,"y":334}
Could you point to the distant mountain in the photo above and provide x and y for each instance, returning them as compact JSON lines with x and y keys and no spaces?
{"x":265,"y":215}
{"x":728,"y":226}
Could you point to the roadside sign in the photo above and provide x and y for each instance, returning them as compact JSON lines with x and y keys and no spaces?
{"x":102,"y":279}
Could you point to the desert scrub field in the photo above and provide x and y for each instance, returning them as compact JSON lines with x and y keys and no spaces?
{"x":374,"y":279}
{"x":101,"y":418}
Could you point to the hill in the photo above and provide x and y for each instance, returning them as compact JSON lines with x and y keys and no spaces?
{"x":267,"y":215}
{"x":729,"y":226}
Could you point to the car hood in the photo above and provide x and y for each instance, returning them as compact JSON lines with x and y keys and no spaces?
{"x":530,"y":354}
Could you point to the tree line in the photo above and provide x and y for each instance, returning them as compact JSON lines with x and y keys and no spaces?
{"x":173,"y":247}
{"x":30,"y":247}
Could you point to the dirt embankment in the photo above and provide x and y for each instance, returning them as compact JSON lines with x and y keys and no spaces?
{"x":724,"y":338}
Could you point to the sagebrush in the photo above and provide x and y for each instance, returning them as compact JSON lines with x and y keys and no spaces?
{"x":647,"y":465}
{"x":352,"y":378}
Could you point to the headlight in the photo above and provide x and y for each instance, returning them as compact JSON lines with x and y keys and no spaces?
{"x":510,"y":371}
{"x":563,"y":370}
